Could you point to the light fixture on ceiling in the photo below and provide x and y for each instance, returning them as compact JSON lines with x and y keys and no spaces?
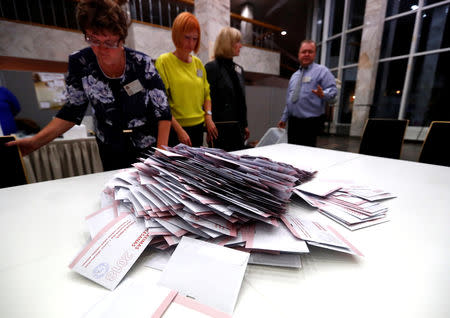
{"x":283,"y":32}
{"x":414,"y":7}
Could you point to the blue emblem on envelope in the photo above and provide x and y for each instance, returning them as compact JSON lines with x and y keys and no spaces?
{"x":100,"y":270}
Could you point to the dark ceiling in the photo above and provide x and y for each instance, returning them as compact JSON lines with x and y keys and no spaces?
{"x":290,"y":15}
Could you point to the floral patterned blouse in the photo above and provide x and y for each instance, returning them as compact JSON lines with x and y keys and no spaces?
{"x":115,"y":110}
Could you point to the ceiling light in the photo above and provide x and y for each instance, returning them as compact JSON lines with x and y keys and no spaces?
{"x":414,"y":7}
{"x":283,"y":32}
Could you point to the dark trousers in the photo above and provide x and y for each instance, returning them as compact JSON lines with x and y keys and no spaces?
{"x":194,"y":132}
{"x":114,"y":157}
{"x":304,"y":131}
{"x":230,"y":137}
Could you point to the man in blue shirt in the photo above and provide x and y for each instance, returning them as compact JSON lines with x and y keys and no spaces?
{"x":309,"y":89}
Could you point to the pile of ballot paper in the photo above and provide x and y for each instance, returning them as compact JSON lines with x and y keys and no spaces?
{"x":195,"y":202}
{"x":206,"y":191}
{"x":353,"y":206}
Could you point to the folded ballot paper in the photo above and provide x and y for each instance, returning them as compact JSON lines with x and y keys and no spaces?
{"x":207,"y":273}
{"x":353,"y":206}
{"x":203,"y":196}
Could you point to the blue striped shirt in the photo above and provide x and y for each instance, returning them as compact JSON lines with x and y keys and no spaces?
{"x":309,"y":104}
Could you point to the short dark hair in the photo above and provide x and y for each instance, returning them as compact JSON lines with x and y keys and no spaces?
{"x":308,"y":42}
{"x":102,"y":15}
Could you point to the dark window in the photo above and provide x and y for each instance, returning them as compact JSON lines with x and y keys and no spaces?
{"x":333,"y":47}
{"x":318,"y":52}
{"x":435,"y":31}
{"x":337,"y":13}
{"x":356,"y":10}
{"x":320,"y":13}
{"x":347,"y":95}
{"x":352,"y":46}
{"x":388,"y":89}
{"x":397,"y":36}
{"x":398,"y":6}
{"x":427,"y":2}
{"x":429,"y":93}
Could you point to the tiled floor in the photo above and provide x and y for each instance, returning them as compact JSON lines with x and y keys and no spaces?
{"x":410,"y":151}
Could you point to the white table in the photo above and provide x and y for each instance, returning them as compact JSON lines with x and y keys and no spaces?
{"x":405,"y":271}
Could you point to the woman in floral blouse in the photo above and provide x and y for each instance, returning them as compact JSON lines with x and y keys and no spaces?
{"x":122,"y":86}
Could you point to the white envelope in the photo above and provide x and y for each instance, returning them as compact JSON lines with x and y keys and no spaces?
{"x":158,"y":259}
{"x":274,"y":238}
{"x":132,"y":298}
{"x":99,"y":219}
{"x":112,"y":252}
{"x":318,"y":234}
{"x":320,"y":188}
{"x":280,"y":260}
{"x":210,"y":274}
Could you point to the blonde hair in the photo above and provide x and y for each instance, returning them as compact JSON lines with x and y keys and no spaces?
{"x":225,"y":41}
{"x":184,"y":23}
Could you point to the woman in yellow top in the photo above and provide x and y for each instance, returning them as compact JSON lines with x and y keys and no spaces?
{"x":186,"y":85}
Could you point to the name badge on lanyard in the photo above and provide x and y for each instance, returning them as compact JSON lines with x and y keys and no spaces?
{"x":133,"y":87}
{"x":199,"y":73}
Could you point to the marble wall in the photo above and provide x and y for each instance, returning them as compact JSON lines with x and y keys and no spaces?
{"x":150,"y":40}
{"x":259,"y":60}
{"x":35,"y":42}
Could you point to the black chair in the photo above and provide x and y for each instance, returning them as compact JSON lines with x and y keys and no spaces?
{"x":435,"y":148}
{"x":383,"y":137}
{"x":13,"y":170}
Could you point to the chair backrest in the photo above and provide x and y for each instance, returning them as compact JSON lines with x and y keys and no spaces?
{"x":11,"y":164}
{"x":435,"y":148}
{"x":383,"y":137}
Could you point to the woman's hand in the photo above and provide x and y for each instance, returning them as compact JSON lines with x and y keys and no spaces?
{"x":246,"y":133}
{"x":211,"y":128}
{"x":183,"y":137}
{"x":26,"y":145}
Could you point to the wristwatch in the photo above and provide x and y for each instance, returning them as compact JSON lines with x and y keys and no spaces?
{"x":208,"y":112}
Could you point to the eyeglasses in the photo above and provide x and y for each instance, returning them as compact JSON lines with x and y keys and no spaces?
{"x":95,"y":42}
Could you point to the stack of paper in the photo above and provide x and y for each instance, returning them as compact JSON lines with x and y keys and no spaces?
{"x":204,"y":192}
{"x":354,"y":207}
{"x":179,"y":200}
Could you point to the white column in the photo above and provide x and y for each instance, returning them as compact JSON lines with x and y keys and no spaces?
{"x":368,"y":64}
{"x":247,"y":27}
{"x":212,"y":15}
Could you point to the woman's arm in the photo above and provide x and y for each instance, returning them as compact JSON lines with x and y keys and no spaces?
{"x":183,"y":136}
{"x":210,"y":85}
{"x":54,"y":129}
{"x":210,"y":126}
{"x":163,"y":133}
